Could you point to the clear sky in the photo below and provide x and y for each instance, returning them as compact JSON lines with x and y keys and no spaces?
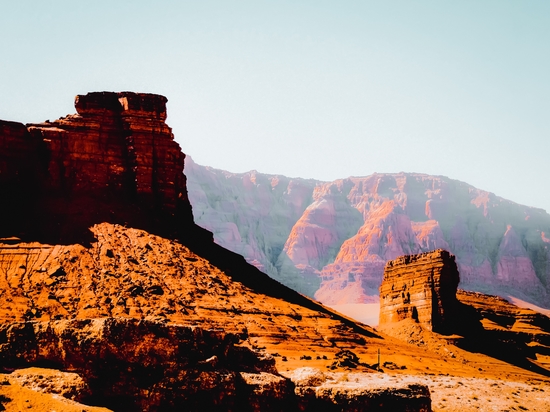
{"x":320,"y":89}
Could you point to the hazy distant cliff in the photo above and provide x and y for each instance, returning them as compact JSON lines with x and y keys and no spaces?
{"x":332,"y":239}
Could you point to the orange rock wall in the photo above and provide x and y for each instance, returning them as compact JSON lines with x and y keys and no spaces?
{"x":115,"y":152}
{"x":421,"y":287}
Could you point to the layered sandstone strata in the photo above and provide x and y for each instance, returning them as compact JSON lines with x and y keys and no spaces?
{"x":420,"y":287}
{"x":117,"y":141}
{"x":419,"y":294}
{"x":116,"y":160}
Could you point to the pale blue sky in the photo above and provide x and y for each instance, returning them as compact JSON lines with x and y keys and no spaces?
{"x":320,"y":89}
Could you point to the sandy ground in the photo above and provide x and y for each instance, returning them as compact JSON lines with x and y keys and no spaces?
{"x":451,"y":393}
{"x":16,"y":398}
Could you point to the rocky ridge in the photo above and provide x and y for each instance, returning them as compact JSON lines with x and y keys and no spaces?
{"x":351,"y":227}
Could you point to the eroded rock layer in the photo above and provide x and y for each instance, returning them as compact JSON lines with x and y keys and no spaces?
{"x":131,"y":273}
{"x":116,"y":160}
{"x":528,"y":329}
{"x":419,"y":295}
{"x":420,"y":287}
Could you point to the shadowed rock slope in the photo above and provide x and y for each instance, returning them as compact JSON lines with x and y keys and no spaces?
{"x":131,"y":273}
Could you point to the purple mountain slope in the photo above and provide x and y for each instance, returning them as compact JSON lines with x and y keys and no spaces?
{"x":331,"y":240}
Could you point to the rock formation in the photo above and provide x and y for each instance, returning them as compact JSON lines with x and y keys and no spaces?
{"x":420,"y":287}
{"x":318,"y":391}
{"x":103,"y":271}
{"x":113,"y":312}
{"x":132,"y":274}
{"x":87,"y":284}
{"x":423,"y":289}
{"x":348,"y":229}
{"x":116,"y":160}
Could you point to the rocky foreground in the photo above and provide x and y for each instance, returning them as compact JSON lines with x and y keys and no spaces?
{"x":149,"y":366}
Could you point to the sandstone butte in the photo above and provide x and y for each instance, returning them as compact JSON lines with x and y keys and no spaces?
{"x":419,"y":295}
{"x":107,"y":282}
{"x":422,"y":288}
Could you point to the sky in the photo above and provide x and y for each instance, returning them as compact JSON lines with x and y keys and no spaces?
{"x":313,"y":89}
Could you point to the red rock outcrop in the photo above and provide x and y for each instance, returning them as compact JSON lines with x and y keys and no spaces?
{"x":116,"y":160}
{"x":420,"y":287}
{"x":419,"y":294}
{"x":318,"y":391}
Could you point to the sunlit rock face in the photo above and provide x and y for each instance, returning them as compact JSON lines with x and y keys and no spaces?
{"x":421,"y":287}
{"x":332,"y":240}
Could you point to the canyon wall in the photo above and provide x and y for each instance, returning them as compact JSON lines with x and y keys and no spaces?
{"x":351,"y":227}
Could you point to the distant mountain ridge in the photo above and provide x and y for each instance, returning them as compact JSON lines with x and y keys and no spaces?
{"x":331,"y":240}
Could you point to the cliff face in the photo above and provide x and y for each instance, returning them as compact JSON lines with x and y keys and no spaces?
{"x":116,"y":160}
{"x":420,"y":287}
{"x":351,"y":227}
{"x":252,"y":214}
